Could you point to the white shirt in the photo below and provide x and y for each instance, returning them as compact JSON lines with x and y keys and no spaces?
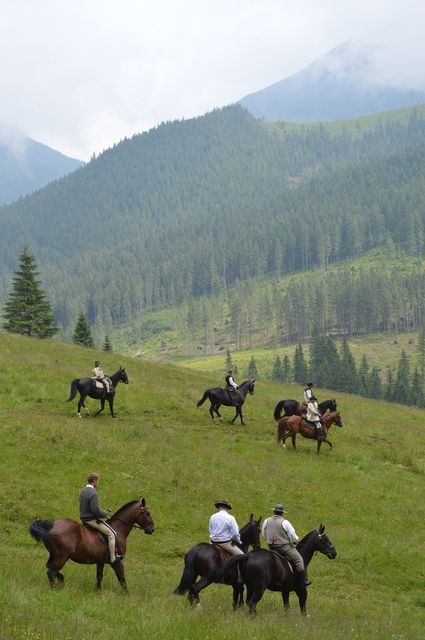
{"x":307,"y":395}
{"x":223,"y":527}
{"x":287,"y":527}
{"x":232,"y":382}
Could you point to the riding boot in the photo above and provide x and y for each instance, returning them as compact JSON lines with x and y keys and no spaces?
{"x":301,"y":579}
{"x":318,"y":433}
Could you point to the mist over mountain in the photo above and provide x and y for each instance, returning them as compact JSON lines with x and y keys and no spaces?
{"x":27,"y":165}
{"x":343,"y":83}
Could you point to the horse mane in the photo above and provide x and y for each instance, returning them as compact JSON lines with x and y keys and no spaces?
{"x":128,"y":504}
{"x":307,"y":537}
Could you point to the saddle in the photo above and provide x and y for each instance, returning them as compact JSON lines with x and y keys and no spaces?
{"x":309,"y":425}
{"x":104,"y":539}
{"x":224,"y":555}
{"x":234,"y":396}
{"x":99,"y":385}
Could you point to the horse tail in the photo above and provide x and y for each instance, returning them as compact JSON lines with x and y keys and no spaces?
{"x":74,"y":390}
{"x":229,"y":564}
{"x":189,"y":573}
{"x":204,"y":397}
{"x":278,"y":410}
{"x":40,"y":530}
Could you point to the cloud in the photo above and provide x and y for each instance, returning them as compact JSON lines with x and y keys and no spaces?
{"x":81,"y":76}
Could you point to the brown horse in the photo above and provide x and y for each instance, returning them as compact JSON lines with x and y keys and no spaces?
{"x":66,"y":539}
{"x":291,"y":425}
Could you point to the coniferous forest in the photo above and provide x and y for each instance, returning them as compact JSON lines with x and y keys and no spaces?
{"x":201,"y":208}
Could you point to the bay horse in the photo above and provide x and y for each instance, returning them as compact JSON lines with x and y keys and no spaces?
{"x":218,"y":396}
{"x":295,"y":408}
{"x":205,"y":559}
{"x":262,"y":569}
{"x":87,"y":387}
{"x":291,"y":425}
{"x":66,"y":539}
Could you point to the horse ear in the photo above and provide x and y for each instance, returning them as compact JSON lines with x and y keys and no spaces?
{"x":321,"y":528}
{"x":259,"y":519}
{"x":143,"y":502}
{"x":253,"y":381}
{"x":251,"y":517}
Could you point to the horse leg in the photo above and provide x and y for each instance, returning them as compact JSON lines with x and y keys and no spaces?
{"x":111,"y":407}
{"x":302,"y":599}
{"x":238,"y":413}
{"x":285,"y":599}
{"x":81,"y":404}
{"x":238,"y":589}
{"x":216,"y":409}
{"x":118,"y":567}
{"x":211,"y":410}
{"x":102,"y":406}
{"x":196,"y":588}
{"x":255,"y":597}
{"x":99,"y":575}
{"x":53,"y":572}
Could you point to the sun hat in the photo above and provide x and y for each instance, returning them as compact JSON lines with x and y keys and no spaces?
{"x":223,"y":503}
{"x":279,"y":508}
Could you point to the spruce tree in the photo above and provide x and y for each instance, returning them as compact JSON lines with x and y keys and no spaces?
{"x":402,"y":381}
{"x":286,"y":370}
{"x":82,"y":332}
{"x":300,"y":366}
{"x":277,"y":370}
{"x":252,"y":369}
{"x":27,"y":310}
{"x":107,"y":345}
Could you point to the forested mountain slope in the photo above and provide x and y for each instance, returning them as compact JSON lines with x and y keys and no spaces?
{"x":192,"y":207}
{"x":27,"y":165}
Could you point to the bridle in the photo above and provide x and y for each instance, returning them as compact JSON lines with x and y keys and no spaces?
{"x":135,"y":525}
{"x":326,"y":544}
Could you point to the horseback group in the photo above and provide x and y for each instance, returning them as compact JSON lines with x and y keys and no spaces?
{"x":225,"y":559}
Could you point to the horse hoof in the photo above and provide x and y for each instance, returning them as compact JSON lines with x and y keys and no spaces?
{"x":79,"y":415}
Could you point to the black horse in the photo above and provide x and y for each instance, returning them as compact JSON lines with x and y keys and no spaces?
{"x":263,"y":570}
{"x":294,"y":408}
{"x":87,"y":387}
{"x":218,"y":396}
{"x":205,"y":560}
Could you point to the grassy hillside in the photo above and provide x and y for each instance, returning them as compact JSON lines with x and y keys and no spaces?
{"x":369,"y":493}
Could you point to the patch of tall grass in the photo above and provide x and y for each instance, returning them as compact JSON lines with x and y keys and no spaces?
{"x":368,"y":492}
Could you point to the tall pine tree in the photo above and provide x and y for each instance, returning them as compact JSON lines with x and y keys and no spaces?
{"x":82,"y":332}
{"x":27,"y":310}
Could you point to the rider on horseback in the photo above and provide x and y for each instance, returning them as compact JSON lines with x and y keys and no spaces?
{"x":99,"y":374}
{"x":91,"y":514}
{"x":232,"y":386}
{"x":314,"y":417}
{"x":281,"y":538}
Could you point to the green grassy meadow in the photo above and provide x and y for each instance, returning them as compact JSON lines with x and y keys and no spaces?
{"x":369,"y":492}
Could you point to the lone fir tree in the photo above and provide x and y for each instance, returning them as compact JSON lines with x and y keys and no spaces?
{"x":27,"y":311}
{"x":82,"y":332}
{"x":107,"y":344}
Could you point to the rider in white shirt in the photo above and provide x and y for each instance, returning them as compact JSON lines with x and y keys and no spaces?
{"x":224,"y":529}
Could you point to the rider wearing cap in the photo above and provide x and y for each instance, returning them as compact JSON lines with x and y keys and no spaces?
{"x":99,"y":374}
{"x":282,"y":538}
{"x":224,"y":529}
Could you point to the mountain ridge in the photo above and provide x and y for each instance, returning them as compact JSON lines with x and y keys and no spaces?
{"x":338,"y":85}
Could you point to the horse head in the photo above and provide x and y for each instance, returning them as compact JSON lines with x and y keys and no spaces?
{"x":337,"y":419}
{"x":144,"y":519}
{"x":250,"y":533}
{"x":324,"y":545}
{"x":251,"y":385}
{"x":123,"y":375}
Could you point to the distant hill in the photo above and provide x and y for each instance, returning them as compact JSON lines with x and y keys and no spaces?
{"x":26,"y":165}
{"x":338,"y":85}
{"x":192,"y":208}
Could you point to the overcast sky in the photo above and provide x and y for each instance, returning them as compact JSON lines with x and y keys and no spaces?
{"x":80,"y":75}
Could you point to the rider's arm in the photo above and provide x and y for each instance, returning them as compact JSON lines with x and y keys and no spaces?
{"x":234,"y":530}
{"x":95,"y":507}
{"x":290,"y":531}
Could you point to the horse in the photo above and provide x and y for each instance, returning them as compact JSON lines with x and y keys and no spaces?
{"x":65,"y":539}
{"x":262,"y":569}
{"x":295,"y":408}
{"x":218,"y":396}
{"x":205,"y":559}
{"x":292,"y":425}
{"x":87,"y":387}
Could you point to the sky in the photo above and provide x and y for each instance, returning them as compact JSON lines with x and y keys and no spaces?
{"x":80,"y":76}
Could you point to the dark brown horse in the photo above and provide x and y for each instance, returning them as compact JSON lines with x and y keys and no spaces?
{"x":264,"y":569}
{"x":66,"y":539}
{"x":205,"y":560}
{"x":295,"y":408}
{"x":218,"y":396}
{"x":291,"y":425}
{"x":87,"y":387}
